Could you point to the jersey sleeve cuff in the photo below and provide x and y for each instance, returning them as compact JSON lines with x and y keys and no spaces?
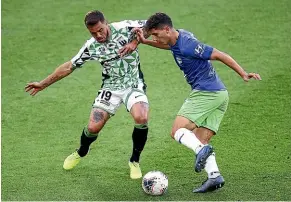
{"x":207,"y":52}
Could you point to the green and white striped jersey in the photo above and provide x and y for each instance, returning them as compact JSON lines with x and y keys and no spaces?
{"x":118,"y":73}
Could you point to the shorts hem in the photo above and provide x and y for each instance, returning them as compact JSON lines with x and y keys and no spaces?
{"x":194,"y":121}
{"x":109,"y":112}
{"x":210,"y":128}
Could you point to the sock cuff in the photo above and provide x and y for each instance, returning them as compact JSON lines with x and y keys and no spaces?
{"x":141,"y":126}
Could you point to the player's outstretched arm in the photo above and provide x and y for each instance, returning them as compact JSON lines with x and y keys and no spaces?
{"x":156,"y":44}
{"x":62,"y":71}
{"x":229,"y":61}
{"x":142,"y":38}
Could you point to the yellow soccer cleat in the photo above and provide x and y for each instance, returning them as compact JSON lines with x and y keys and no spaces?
{"x":135,"y":172}
{"x":71,"y":161}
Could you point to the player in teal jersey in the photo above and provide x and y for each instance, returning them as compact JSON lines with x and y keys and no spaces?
{"x":122,"y":83}
{"x":199,"y":118}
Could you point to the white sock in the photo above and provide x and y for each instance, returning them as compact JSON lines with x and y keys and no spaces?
{"x":189,"y":139}
{"x":211,"y":167}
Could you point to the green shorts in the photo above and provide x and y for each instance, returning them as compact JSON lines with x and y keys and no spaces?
{"x":205,"y":108}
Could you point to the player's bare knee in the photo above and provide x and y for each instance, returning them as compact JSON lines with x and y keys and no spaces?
{"x":139,"y":112}
{"x":141,"y":119}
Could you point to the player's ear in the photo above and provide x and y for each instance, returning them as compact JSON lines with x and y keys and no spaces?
{"x":167,"y":28}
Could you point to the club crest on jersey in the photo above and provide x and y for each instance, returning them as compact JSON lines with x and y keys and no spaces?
{"x":121,"y":41}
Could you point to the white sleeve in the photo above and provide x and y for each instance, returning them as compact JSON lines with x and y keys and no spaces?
{"x":82,"y":56}
{"x":135,"y":23}
{"x":129,"y":24}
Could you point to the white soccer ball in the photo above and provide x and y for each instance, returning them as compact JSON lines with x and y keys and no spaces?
{"x":155,"y":183}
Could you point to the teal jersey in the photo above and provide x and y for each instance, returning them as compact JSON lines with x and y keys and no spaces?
{"x":118,"y":73}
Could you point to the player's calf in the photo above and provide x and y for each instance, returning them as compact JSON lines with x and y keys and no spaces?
{"x":98,"y":118}
{"x":87,"y":139}
{"x":139,"y":138}
{"x":139,"y":112}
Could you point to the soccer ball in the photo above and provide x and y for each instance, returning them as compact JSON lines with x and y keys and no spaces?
{"x":155,"y":183}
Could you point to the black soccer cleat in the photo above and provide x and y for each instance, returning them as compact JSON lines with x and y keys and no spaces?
{"x":201,"y":157}
{"x":210,"y":184}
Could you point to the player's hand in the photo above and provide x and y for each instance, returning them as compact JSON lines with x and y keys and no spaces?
{"x":139,"y":35}
{"x":128,"y":48}
{"x":33,"y":88}
{"x":249,"y":76}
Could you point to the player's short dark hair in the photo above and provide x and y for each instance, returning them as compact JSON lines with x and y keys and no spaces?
{"x":93,"y":17}
{"x":158,"y":21}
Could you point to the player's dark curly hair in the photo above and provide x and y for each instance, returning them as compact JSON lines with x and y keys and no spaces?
{"x":93,"y":17}
{"x":158,"y":21}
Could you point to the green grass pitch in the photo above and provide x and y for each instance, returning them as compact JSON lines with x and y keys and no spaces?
{"x":253,"y":146}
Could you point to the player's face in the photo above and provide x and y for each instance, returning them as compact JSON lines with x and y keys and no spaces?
{"x":161,"y":35}
{"x":99,"y":31}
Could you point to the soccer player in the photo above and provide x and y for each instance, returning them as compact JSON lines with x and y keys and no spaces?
{"x":199,"y":117}
{"x":122,"y":83}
